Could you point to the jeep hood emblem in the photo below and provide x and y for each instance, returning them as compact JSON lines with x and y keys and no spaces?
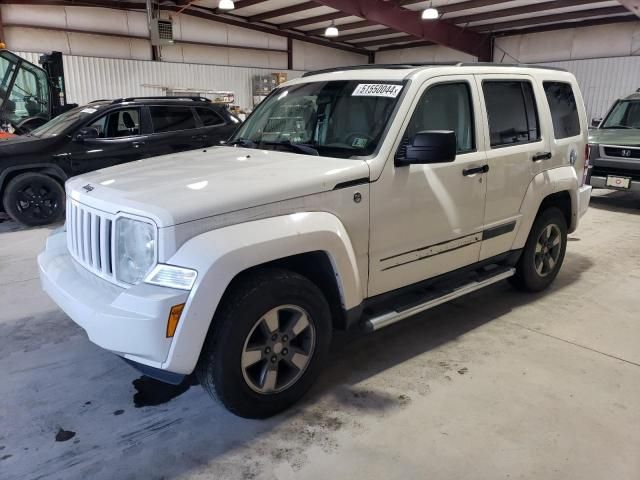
{"x":88,"y":187}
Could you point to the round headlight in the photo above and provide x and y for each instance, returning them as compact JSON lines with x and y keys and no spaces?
{"x":135,"y":250}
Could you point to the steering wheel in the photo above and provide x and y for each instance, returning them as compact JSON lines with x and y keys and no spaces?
{"x":350,"y":137}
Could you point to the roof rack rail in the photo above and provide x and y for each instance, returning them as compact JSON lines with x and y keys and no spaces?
{"x":165,"y":97}
{"x":403,"y":66}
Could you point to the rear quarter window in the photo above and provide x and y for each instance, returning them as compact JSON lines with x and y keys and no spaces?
{"x":564,"y":110}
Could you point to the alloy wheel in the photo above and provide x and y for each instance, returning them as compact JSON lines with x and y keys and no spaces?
{"x":278,"y":349}
{"x":548,"y":249}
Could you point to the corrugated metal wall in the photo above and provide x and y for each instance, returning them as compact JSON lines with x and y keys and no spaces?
{"x":603,"y":80}
{"x":91,"y":78}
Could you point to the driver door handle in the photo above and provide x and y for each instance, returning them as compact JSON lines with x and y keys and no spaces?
{"x":137,"y":144}
{"x":472,"y":171}
{"x":542,"y":156}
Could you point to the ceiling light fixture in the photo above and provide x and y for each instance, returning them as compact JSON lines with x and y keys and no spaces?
{"x":430,"y":13}
{"x":226,"y":5}
{"x":331,"y":31}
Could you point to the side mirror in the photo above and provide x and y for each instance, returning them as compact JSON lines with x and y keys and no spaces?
{"x":595,"y":122}
{"x":86,"y":133}
{"x":430,"y":146}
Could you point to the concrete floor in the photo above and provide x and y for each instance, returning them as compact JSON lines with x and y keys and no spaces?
{"x":495,"y":385}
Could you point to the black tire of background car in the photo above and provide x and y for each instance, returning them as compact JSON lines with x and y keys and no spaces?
{"x":34,"y":199}
{"x":526,"y":277}
{"x":249,"y":298}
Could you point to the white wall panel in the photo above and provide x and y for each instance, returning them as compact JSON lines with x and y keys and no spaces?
{"x":309,"y":56}
{"x":612,"y":40}
{"x":431,"y":53}
{"x":603,"y":80}
{"x":89,"y":78}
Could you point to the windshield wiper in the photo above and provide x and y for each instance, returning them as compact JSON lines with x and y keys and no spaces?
{"x":297,"y":147}
{"x":620,"y":126}
{"x":243,"y":142}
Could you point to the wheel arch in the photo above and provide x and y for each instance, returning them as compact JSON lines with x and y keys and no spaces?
{"x":54,"y":171}
{"x":558,"y":188}
{"x":314,"y":245}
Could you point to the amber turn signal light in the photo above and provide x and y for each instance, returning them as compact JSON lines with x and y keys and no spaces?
{"x":174,"y":318}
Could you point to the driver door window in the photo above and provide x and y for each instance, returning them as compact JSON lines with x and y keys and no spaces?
{"x":121,"y":123}
{"x":445,"y":107}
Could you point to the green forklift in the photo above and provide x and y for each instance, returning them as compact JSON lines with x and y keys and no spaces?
{"x":30,"y":95}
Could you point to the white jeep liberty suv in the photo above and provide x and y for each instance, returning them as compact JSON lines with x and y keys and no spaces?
{"x":350,"y":197}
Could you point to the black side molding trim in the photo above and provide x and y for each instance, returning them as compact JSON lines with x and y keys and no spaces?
{"x":499,"y":230}
{"x":352,"y":183}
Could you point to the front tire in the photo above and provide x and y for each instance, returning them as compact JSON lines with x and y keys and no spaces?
{"x":267,"y":343}
{"x":543,"y":253}
{"x":34,"y":199}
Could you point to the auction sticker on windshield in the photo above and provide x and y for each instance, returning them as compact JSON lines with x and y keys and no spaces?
{"x":377,"y":90}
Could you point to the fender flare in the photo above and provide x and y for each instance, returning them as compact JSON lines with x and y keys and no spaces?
{"x":561,"y":179}
{"x":222,"y":254}
{"x":51,"y":169}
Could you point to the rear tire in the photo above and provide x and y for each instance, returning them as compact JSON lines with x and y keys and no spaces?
{"x":34,"y":199}
{"x":543,"y":253}
{"x":267,"y":343}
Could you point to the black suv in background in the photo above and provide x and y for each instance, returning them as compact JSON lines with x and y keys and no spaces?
{"x":34,"y":167}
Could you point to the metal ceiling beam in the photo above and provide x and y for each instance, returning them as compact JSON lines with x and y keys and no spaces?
{"x":632,"y":5}
{"x":386,"y":41}
{"x":409,"y":22}
{"x":559,"y":17}
{"x":344,"y":27}
{"x":564,"y":26}
{"x":527,"y":9}
{"x":273,"y":30}
{"x":280,"y":12}
{"x":246,"y":3}
{"x":369,"y":34}
{"x":311,"y":20}
{"x":422,"y":43}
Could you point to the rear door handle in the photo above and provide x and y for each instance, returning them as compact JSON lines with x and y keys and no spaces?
{"x":542,"y":156}
{"x":472,"y":171}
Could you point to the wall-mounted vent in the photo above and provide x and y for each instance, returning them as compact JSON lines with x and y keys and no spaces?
{"x":161,"y":32}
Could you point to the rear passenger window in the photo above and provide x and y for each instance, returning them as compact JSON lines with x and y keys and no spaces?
{"x":171,"y":119}
{"x":564,"y":111}
{"x":209,"y":117}
{"x":511,"y":107}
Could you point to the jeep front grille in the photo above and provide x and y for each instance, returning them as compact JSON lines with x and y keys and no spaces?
{"x":90,"y":239}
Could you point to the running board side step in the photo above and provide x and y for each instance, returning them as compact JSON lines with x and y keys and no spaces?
{"x":389,"y":318}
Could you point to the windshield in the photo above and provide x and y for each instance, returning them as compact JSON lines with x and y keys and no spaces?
{"x":341,"y":119}
{"x":24,"y":93}
{"x":626,"y":114}
{"x":60,"y":124}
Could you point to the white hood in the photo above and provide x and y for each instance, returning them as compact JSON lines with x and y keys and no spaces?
{"x":187,"y":186}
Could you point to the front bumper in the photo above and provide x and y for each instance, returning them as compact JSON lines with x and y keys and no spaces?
{"x":128,"y":322}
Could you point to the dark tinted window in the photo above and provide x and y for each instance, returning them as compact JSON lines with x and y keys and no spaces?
{"x":446,"y":107}
{"x":512,"y":112}
{"x":209,"y":117}
{"x":171,"y":119}
{"x":564,"y":111}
